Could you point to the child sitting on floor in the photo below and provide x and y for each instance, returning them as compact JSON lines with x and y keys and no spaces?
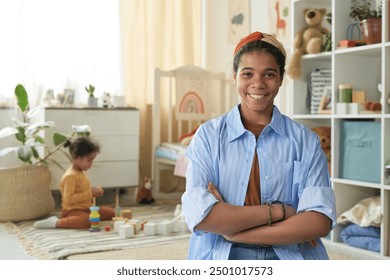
{"x":76,"y":191}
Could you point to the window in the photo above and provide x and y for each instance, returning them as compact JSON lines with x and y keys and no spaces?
{"x":59,"y":44}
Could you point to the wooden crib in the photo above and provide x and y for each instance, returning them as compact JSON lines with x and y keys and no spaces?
{"x":183,"y":98}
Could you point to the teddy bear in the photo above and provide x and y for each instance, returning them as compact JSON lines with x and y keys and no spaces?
{"x":324,"y":133}
{"x":309,"y":40}
{"x":144,"y":194}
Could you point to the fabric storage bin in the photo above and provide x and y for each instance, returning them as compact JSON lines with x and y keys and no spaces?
{"x":360,"y":151}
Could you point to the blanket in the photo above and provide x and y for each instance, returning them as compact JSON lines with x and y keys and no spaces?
{"x":61,"y":243}
{"x":362,"y":237}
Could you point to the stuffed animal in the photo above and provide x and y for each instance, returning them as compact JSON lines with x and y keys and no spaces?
{"x":309,"y":40}
{"x":107,"y":103}
{"x":144,"y":194}
{"x":324,"y":133}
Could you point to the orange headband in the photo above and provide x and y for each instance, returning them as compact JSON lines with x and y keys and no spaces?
{"x":258,"y":36}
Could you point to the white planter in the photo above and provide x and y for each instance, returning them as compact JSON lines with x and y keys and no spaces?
{"x":93,"y":102}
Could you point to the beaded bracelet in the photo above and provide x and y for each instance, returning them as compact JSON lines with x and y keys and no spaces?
{"x":269,"y":213}
{"x":283,"y":210}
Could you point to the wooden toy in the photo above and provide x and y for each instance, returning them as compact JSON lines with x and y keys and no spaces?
{"x":126,"y":213}
{"x":181,"y":226}
{"x":137,"y":224}
{"x":165,"y":227}
{"x":117,"y":207}
{"x":117,"y":224}
{"x":126,"y":231}
{"x":94,"y":218}
{"x":150,"y":229}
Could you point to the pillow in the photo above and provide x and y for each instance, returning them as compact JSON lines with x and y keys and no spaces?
{"x":365,"y":213}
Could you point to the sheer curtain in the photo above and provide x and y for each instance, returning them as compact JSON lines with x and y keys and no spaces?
{"x":156,"y":33}
{"x":59,"y":44}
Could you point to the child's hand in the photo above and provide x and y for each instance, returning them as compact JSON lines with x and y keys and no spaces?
{"x":97,"y":192}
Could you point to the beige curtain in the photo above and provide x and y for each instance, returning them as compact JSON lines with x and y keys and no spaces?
{"x":155,"y":33}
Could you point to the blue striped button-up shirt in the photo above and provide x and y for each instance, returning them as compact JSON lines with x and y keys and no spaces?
{"x":293,"y":170}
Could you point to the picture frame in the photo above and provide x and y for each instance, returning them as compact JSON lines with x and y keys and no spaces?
{"x":238,"y":20}
{"x":69,"y":96}
{"x":325,"y":106}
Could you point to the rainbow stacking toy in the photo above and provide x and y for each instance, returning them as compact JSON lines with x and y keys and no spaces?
{"x":94,"y":219}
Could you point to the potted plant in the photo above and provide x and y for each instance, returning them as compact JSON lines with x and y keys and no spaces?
{"x":92,"y":100}
{"x":370,"y":20}
{"x":25,"y":189}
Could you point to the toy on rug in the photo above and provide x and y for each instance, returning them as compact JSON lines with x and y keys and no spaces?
{"x":324,"y":133}
{"x":107,"y":103}
{"x":117,"y":207}
{"x":309,"y":40}
{"x":94,"y":217}
{"x":144,"y":194}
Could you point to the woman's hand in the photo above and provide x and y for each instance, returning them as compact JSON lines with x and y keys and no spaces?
{"x":214,"y":191}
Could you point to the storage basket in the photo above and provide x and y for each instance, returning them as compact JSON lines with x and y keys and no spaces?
{"x":25,"y":193}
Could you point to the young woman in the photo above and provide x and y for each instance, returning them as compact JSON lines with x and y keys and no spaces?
{"x":76,"y":191}
{"x":258,"y":185}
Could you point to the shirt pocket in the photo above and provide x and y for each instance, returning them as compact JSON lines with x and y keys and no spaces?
{"x":296,"y":175}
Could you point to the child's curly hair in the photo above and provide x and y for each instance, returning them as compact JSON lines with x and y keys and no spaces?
{"x":82,"y":146}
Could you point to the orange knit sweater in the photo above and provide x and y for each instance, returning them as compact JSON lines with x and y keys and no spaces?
{"x":75,"y":190}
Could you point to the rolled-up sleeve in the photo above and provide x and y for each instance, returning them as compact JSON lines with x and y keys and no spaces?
{"x":197,"y":203}
{"x":317,"y":193}
{"x":319,"y":199}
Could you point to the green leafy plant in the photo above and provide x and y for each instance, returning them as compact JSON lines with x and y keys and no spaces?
{"x":90,"y":90}
{"x":361,"y":10}
{"x":29,"y":134}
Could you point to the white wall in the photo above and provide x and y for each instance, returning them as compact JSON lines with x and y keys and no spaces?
{"x":218,"y":53}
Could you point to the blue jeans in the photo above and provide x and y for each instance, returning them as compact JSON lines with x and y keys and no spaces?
{"x":241,"y":251}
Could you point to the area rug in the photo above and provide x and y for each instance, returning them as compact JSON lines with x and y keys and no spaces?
{"x":63,"y":243}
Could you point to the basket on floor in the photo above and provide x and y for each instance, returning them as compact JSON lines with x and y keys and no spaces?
{"x":25,"y":193}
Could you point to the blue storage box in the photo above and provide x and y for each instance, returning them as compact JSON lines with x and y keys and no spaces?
{"x":360,"y":146}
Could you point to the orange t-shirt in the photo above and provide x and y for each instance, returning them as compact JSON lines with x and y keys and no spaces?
{"x":253,"y":191}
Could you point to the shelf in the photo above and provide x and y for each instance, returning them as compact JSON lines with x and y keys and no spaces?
{"x":354,"y":252}
{"x":320,"y":56}
{"x":359,"y":116}
{"x":368,"y":50}
{"x":311,"y":116}
{"x":356,"y":183}
{"x":364,"y":67}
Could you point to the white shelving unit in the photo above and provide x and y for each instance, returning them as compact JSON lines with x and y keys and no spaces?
{"x":364,"y":67}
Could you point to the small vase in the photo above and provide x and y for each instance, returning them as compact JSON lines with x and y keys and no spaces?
{"x":93,"y":102}
{"x":372,"y":30}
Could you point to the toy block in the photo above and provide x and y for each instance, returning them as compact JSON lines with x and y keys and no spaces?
{"x":358,"y":97}
{"x":342,"y":108}
{"x":126,"y":231}
{"x":134,"y":225}
{"x":126,"y":213}
{"x":165,"y":227}
{"x":181,"y":226}
{"x":150,"y":229}
{"x":117,"y":225}
{"x":137,"y":223}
